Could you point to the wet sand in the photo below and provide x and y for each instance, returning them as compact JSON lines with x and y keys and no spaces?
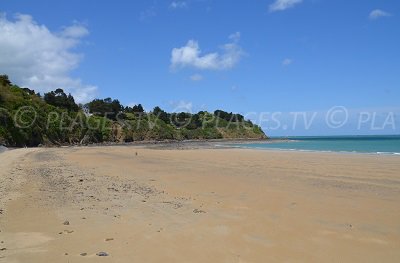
{"x":197,"y":205}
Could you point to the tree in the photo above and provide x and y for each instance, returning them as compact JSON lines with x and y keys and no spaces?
{"x":138,"y":108}
{"x":221,"y":114}
{"x":116,"y":106}
{"x":181,"y":119}
{"x":195,"y":122}
{"x":4,"y":80}
{"x":29,"y":91}
{"x":59,"y":99}
{"x":106,"y":108}
{"x":157,"y":110}
{"x":229,"y":116}
{"x":162,"y":115}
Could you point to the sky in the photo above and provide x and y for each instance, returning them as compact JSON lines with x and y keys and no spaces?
{"x":281,"y":63}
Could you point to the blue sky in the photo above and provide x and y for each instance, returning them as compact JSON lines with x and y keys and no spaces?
{"x":241,"y":56}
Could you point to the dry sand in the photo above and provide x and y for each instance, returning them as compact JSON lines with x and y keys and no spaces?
{"x":204,"y":205}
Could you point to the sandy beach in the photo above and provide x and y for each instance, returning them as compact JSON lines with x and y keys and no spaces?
{"x":137,"y":204}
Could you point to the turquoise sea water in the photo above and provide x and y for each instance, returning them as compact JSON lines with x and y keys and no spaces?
{"x":357,"y":144}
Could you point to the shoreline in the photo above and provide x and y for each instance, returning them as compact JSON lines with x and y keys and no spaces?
{"x":317,"y":151}
{"x":212,"y":144}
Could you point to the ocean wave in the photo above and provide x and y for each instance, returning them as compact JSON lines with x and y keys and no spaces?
{"x":388,"y":153}
{"x":307,"y":150}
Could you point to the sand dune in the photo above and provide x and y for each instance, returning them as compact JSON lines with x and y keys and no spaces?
{"x":205,"y":205}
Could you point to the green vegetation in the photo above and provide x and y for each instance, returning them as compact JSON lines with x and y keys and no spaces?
{"x":105,"y":108}
{"x":28,"y":119}
{"x":59,"y":99}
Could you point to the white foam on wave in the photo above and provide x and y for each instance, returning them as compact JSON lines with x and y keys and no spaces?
{"x":307,"y":150}
{"x":388,"y":153}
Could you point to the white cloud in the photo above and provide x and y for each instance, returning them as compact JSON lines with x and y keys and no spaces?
{"x":178,"y":4}
{"x":190,"y":56}
{"x":196,"y":77}
{"x":280,"y":5}
{"x":235,"y":37}
{"x":287,"y":62}
{"x":147,"y":14}
{"x":75,"y":31}
{"x":377,"y":13}
{"x":37,"y":58}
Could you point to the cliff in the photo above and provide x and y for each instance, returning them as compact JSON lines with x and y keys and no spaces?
{"x":29,"y":119}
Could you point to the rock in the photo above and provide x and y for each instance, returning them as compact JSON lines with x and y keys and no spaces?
{"x":3,"y":148}
{"x":102,"y":254}
{"x":2,"y":249}
{"x":197,"y":211}
{"x":83,"y":254}
{"x":109,"y":239}
{"x":66,"y":223}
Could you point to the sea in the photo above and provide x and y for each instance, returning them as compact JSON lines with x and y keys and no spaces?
{"x":371,"y":144}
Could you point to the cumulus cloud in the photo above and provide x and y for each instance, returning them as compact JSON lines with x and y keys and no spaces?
{"x":42,"y":60}
{"x":196,"y":77}
{"x":178,"y":4}
{"x":190,"y":55}
{"x":377,"y":13}
{"x":280,"y":5}
{"x":287,"y":62}
{"x":75,"y":31}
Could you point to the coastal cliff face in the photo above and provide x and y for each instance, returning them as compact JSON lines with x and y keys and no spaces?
{"x":28,"y":119}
